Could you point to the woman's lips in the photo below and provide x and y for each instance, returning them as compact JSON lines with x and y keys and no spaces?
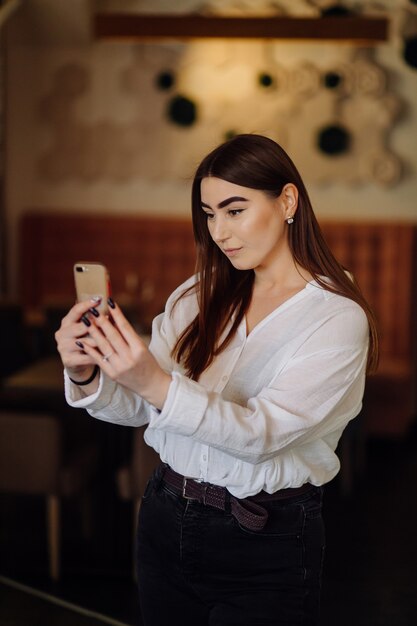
{"x":231,"y":251}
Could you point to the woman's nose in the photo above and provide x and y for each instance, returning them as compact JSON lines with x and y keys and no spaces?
{"x":219,"y":231}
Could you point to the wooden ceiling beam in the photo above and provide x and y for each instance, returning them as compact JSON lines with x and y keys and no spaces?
{"x":135,"y":26}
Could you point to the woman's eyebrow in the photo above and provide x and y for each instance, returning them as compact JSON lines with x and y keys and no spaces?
{"x":225,"y":202}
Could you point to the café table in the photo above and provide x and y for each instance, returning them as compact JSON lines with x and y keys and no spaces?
{"x":39,"y":388}
{"x":37,"y":385}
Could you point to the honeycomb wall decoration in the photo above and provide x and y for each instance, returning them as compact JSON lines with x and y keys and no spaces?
{"x":335,"y":120}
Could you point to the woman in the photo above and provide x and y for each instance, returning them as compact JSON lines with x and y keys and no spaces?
{"x":253,"y":371}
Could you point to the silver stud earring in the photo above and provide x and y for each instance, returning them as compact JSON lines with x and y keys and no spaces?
{"x":290,"y":220}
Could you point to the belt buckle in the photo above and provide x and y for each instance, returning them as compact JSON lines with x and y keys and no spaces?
{"x":184,"y":487}
{"x":201,"y":498}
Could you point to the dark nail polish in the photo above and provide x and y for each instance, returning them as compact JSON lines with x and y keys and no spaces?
{"x":85,"y":320}
{"x":111,"y":303}
{"x":80,"y":345}
{"x":94,"y":312}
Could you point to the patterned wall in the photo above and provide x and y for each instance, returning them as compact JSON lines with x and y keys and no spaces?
{"x":334,"y":118}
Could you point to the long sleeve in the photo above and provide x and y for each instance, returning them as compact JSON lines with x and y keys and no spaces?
{"x":111,"y":402}
{"x":269,"y":410}
{"x":318,"y":391}
{"x":117,"y":404}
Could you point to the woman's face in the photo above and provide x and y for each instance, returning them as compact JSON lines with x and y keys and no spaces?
{"x":246,"y":224}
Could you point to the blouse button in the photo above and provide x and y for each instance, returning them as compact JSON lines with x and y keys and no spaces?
{"x":224,"y":378}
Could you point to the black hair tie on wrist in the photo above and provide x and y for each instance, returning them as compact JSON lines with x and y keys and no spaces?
{"x":89,"y":380}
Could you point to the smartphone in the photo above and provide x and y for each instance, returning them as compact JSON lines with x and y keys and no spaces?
{"x":92,"y":281}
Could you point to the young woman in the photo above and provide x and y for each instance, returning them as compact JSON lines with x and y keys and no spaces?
{"x":253,"y":371}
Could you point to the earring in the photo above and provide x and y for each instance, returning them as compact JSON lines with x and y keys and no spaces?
{"x":290,"y":220}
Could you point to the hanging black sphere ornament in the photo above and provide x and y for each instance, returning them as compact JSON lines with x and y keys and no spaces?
{"x":336,"y":10}
{"x":182,"y":111}
{"x":229,"y":134}
{"x":332,"y":80}
{"x":333,"y":140}
{"x":410,"y":51}
{"x":265,"y":79}
{"x":165,"y":80}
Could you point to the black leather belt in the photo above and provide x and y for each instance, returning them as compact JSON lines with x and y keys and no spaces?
{"x":246,"y":511}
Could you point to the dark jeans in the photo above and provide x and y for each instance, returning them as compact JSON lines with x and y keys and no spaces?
{"x":197,"y":566}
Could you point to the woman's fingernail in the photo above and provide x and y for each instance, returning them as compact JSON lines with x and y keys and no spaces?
{"x":111,"y":303}
{"x":80,"y":345}
{"x":85,"y":320}
{"x":94,"y":312}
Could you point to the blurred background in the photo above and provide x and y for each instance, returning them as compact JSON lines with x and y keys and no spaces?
{"x":106,"y":108}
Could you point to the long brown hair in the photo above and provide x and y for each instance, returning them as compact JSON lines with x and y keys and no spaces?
{"x":223,"y":291}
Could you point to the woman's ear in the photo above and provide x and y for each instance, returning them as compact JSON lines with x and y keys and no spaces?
{"x":289,"y":195}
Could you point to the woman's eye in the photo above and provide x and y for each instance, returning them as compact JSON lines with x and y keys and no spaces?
{"x":209,"y":216}
{"x":234,"y":212}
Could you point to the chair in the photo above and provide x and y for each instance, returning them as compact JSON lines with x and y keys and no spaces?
{"x":32,"y":462}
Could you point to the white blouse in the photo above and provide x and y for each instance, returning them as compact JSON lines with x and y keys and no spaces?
{"x":269,"y":411}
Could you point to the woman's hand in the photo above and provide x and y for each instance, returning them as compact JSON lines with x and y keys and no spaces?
{"x":124,"y":357}
{"x":74,"y":327}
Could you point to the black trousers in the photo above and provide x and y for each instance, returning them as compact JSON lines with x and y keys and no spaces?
{"x":197,"y":566}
